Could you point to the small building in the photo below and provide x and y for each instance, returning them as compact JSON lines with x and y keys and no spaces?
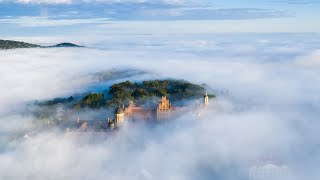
{"x":269,"y":171}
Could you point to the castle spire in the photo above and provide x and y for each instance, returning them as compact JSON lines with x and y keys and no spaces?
{"x":206,"y":99}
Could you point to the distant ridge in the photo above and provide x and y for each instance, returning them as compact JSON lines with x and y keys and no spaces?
{"x":8,"y":44}
{"x":65,"y":44}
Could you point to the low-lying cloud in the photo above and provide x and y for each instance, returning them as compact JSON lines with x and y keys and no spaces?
{"x":264,"y":108}
{"x":310,"y":61}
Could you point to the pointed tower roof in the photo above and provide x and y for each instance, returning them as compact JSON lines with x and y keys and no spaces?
{"x":119,"y":110}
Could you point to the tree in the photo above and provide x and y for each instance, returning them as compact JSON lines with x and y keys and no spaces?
{"x":122,"y":93}
{"x":162,"y":92}
{"x":94,"y":100}
{"x":116,"y":88}
{"x":140,"y":93}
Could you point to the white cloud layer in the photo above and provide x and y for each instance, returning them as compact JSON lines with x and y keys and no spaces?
{"x":310,"y":61}
{"x":271,"y":108}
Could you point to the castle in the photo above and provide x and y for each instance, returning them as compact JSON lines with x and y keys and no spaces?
{"x":162,"y":112}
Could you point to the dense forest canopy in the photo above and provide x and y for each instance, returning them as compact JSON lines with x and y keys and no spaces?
{"x":139,"y":92}
{"x":145,"y":93}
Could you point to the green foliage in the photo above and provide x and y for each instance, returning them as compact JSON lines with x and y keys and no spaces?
{"x":161,"y":92}
{"x":95,"y":100}
{"x":66,"y":44}
{"x":57,"y":101}
{"x":121,"y":93}
{"x":211,"y":96}
{"x":174,"y":89}
{"x":140,"y":92}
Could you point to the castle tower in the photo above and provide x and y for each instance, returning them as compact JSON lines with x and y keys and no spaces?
{"x":119,"y":115}
{"x":206,"y":99}
{"x":163,"y":109}
{"x":164,"y":104}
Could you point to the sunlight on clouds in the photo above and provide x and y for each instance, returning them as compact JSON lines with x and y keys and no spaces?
{"x":267,"y":104}
{"x":271,"y":107}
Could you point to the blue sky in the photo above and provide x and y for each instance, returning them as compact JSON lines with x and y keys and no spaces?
{"x":259,"y":16}
{"x":264,"y":55}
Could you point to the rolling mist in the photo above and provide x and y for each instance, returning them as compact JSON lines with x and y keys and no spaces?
{"x":267,"y":105}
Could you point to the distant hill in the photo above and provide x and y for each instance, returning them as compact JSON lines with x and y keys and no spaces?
{"x":65,"y":44}
{"x":8,"y":44}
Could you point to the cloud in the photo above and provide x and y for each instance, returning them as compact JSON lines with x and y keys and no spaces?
{"x":268,"y":106}
{"x":47,"y":22}
{"x":175,"y":152}
{"x":299,"y":2}
{"x":98,"y":1}
{"x":309,"y":61}
{"x":144,"y":10}
{"x":207,"y":13}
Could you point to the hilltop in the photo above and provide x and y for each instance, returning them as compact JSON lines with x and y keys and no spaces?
{"x":8,"y":44}
{"x":65,"y":44}
{"x":142,"y":93}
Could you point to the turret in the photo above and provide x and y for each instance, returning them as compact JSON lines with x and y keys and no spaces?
{"x":119,"y":115}
{"x":206,"y":99}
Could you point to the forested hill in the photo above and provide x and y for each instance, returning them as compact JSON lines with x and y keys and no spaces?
{"x":8,"y":44}
{"x":140,"y":92}
{"x":65,"y":44}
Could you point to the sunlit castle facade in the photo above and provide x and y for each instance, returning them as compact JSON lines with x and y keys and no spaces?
{"x":162,"y":112}
{"x":163,"y":109}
